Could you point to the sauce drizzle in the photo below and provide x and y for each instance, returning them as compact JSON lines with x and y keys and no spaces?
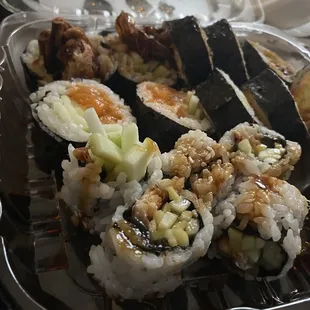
{"x":93,"y":97}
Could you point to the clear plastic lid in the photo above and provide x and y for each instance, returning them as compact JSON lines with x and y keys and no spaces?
{"x":206,"y":10}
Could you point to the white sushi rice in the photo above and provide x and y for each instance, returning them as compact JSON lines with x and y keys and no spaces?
{"x":98,"y":200}
{"x":63,"y":116}
{"x":131,"y":273}
{"x":35,"y":62}
{"x":281,"y":211}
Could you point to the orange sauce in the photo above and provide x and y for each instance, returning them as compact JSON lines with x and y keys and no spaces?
{"x":92,"y":97}
{"x":172,"y":99}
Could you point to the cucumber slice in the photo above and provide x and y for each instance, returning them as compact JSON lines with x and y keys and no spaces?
{"x":158,"y":235}
{"x":248,"y":243}
{"x":180,"y":224}
{"x":115,"y":137}
{"x":130,"y":136}
{"x":186,"y":216}
{"x":173,"y":195}
{"x":135,"y":161}
{"x":181,"y":236}
{"x":104,"y":148}
{"x":161,"y":72}
{"x":112,"y":127}
{"x":198,"y":113}
{"x":235,"y":239}
{"x":61,"y":111}
{"x":192,"y":227}
{"x":167,"y":221}
{"x":259,"y":243}
{"x":179,"y":206}
{"x":245,"y":146}
{"x":93,"y":122}
{"x":172,"y":241}
{"x":193,"y":104}
{"x":166,"y":207}
{"x":158,"y":215}
{"x":76,"y":117}
{"x":253,"y":255}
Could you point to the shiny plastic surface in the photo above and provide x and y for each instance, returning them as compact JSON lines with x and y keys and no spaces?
{"x":206,"y":10}
{"x":45,"y":257}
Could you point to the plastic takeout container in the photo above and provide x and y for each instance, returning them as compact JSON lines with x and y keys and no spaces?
{"x":43,"y":259}
{"x":207,"y":10}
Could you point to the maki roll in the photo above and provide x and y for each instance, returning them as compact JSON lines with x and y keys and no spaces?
{"x":224,"y":102}
{"x":258,"y":58}
{"x":274,"y":105}
{"x":33,"y":64}
{"x":59,"y":108}
{"x":150,"y":243}
{"x":257,"y":150}
{"x":174,"y":112}
{"x":204,"y":163}
{"x":300,"y":91}
{"x":259,"y":225}
{"x":226,"y":51}
{"x":191,"y":50}
{"x":142,"y":54}
{"x":110,"y":170}
{"x":65,"y":52}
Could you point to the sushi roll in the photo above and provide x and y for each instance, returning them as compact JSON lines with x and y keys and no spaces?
{"x":150,"y":243}
{"x":110,"y":170}
{"x":191,"y":50}
{"x":257,"y":150}
{"x":65,"y":52}
{"x":258,"y":58}
{"x":300,"y":91}
{"x":33,"y":64}
{"x":259,"y":225}
{"x":59,"y":108}
{"x":274,"y":105}
{"x":204,"y":163}
{"x":224,"y":102}
{"x":174,"y":112}
{"x":226,"y":51}
{"x":141,"y":56}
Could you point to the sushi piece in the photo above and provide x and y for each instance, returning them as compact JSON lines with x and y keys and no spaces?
{"x":142,"y":55}
{"x":33,"y":64}
{"x":259,"y":225}
{"x":257,"y":150}
{"x":65,"y":52}
{"x":59,"y":108}
{"x":274,"y":105}
{"x":258,"y":58}
{"x":224,"y":102}
{"x":174,"y":113}
{"x":226,"y":51}
{"x":300,"y":91}
{"x":149,"y":244}
{"x":108,"y":172}
{"x":191,"y":50}
{"x":205,"y":164}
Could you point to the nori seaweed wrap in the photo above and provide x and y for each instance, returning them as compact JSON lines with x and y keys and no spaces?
{"x":274,"y":105}
{"x":226,"y":51}
{"x":224,"y":102}
{"x":191,"y":50}
{"x":258,"y":58}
